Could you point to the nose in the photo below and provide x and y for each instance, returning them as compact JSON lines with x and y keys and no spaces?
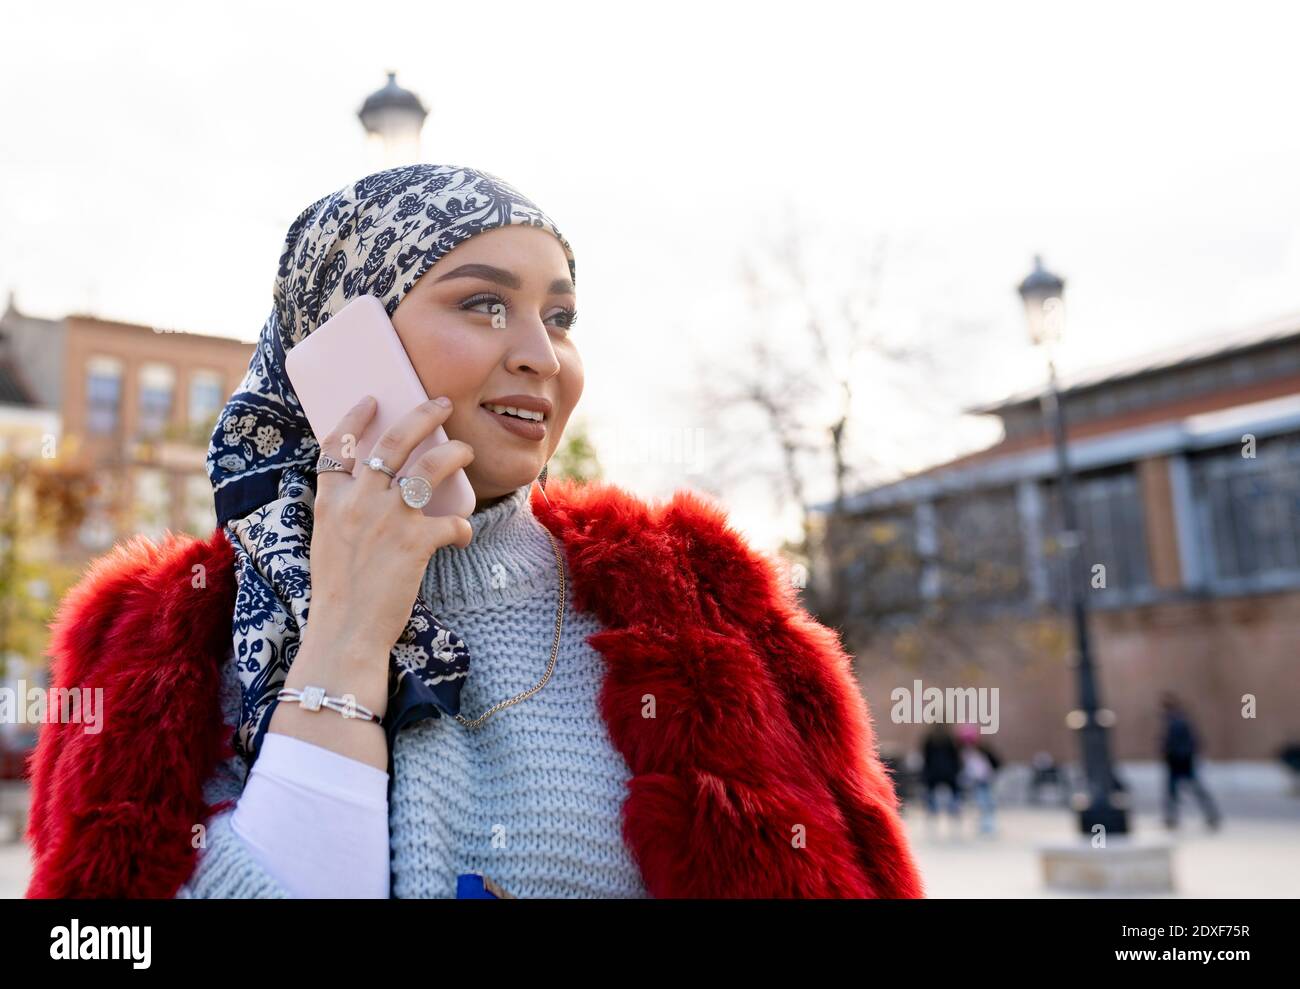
{"x":531,"y":350}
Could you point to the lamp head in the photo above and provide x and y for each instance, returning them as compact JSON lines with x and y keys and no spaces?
{"x":1043,"y":294}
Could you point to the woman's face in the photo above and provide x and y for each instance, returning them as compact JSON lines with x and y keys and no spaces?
{"x":487,"y":324}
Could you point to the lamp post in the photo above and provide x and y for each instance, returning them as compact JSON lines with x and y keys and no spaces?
{"x":393,"y":118}
{"x":1043,"y":294}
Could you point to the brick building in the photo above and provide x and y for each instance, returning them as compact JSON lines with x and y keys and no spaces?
{"x":1188,"y":489}
{"x":135,"y":404}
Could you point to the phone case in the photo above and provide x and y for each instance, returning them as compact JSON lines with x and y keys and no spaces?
{"x":357,"y":352}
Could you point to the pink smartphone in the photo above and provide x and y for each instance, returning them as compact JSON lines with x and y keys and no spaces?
{"x":357,"y":352}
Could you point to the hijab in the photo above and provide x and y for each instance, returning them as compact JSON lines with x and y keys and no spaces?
{"x":373,"y":237}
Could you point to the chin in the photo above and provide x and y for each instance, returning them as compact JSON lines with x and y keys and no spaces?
{"x":504,"y":481}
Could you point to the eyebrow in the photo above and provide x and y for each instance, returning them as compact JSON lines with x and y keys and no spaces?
{"x":561,"y":286}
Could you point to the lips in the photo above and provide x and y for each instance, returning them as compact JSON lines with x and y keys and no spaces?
{"x":526,"y":428}
{"x":532,"y":403}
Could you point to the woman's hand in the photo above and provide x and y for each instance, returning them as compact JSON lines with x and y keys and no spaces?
{"x":369,"y":552}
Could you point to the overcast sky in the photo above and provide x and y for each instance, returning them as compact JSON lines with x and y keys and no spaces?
{"x":152,"y":155}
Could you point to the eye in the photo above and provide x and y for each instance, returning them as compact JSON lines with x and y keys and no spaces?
{"x":485,"y":299}
{"x":566,"y":316}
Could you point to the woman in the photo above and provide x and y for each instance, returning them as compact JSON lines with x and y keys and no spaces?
{"x":571,"y":694}
{"x":942,"y":768}
{"x":979,"y":768}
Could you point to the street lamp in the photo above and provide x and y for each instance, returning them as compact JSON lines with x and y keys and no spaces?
{"x":393,"y":118}
{"x":1043,"y":294}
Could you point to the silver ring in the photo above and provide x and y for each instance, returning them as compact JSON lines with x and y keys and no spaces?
{"x":416,"y":491}
{"x":327,"y":463}
{"x":377,"y":463}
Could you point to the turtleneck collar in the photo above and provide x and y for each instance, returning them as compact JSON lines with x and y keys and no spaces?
{"x":509,"y":558}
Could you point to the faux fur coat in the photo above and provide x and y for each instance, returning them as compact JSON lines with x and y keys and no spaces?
{"x":756,"y":777}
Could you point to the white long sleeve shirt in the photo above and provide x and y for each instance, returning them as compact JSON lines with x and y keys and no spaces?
{"x":316,"y":820}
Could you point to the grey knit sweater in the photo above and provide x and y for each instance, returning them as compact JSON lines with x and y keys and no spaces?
{"x":532,"y":797}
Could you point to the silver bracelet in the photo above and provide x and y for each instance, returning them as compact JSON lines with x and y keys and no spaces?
{"x":314,"y":698}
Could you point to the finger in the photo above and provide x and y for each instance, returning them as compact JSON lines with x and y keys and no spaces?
{"x":436,"y":465}
{"x":340,"y":442}
{"x":399,"y":439}
{"x":448,"y":530}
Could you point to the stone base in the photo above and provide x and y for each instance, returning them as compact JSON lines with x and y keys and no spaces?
{"x":1127,"y":865}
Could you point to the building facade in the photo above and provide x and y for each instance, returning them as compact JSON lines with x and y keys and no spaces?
{"x":1187,"y":487}
{"x":134,"y":405}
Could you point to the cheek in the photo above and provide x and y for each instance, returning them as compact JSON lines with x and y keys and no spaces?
{"x":572,"y":378}
{"x":569,"y":390}
{"x":451,"y":362}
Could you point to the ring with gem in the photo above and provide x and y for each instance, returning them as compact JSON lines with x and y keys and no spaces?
{"x":377,"y":463}
{"x":416,"y":491}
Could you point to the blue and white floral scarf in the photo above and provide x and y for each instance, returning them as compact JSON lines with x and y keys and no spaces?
{"x":373,"y":237}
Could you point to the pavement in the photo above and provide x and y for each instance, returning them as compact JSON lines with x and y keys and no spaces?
{"x":15,"y":867}
{"x":1248,"y":857}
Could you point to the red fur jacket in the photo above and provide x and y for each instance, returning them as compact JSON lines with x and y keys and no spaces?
{"x":757,"y":777}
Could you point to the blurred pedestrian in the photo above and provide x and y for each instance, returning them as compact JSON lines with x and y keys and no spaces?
{"x":1180,"y":749}
{"x":942,"y":768}
{"x":979,"y":767}
{"x":1045,"y":772}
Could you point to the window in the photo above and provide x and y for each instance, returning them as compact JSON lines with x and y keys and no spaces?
{"x":886,"y":567}
{"x":981,"y":555}
{"x":873,"y":562}
{"x":207,"y":396}
{"x":98,"y":527}
{"x":152,"y":500}
{"x":103,"y":394}
{"x":96,"y":531}
{"x":1113,"y":531}
{"x":1248,"y":509}
{"x":200,"y":507}
{"x":157,"y":383}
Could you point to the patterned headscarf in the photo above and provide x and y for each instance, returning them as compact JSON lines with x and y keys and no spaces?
{"x":373,"y":237}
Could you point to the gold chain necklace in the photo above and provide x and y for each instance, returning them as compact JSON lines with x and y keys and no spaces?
{"x":555,"y":646}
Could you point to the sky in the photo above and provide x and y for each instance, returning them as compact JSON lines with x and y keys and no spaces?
{"x":152,"y":156}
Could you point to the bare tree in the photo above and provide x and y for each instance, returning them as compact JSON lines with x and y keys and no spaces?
{"x":803,"y":392}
